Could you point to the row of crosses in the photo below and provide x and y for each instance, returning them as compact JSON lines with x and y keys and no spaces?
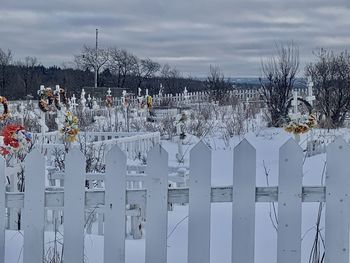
{"x":83,"y":101}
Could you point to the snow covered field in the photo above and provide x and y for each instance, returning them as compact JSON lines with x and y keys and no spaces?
{"x":267,"y":144}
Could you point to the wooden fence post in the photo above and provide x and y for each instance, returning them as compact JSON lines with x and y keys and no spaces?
{"x":33,"y":220}
{"x":74,"y":207}
{"x":2,"y":209}
{"x":243,"y":203}
{"x":199,"y":204}
{"x":289,"y":203}
{"x":115,"y":202}
{"x":337,"y":202}
{"x":157,"y":205}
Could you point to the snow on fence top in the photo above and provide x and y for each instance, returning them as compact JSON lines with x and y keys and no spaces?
{"x":74,"y":198}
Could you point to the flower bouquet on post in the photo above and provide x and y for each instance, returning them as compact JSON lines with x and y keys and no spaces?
{"x":301,"y":125}
{"x":70,"y":130}
{"x":17,"y":143}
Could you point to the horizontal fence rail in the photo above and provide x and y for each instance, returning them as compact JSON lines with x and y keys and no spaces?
{"x":54,"y":196}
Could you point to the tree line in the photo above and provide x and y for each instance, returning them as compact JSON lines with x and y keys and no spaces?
{"x":115,"y":68}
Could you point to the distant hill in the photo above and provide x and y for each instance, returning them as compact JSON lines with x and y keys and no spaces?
{"x":255,"y":82}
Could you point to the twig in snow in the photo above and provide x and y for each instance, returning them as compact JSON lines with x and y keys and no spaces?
{"x":274,"y":219}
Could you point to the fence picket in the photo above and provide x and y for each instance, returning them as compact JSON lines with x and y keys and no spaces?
{"x":199,"y":204}
{"x":115,"y":201}
{"x":243,"y":203}
{"x":289,"y":203}
{"x":33,"y":221}
{"x":337,"y":202}
{"x":74,"y":204}
{"x":157,"y":205}
{"x":2,"y":209}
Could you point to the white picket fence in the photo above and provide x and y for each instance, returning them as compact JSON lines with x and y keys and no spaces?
{"x":74,"y":199}
{"x":134,"y":144}
{"x":317,"y":144}
{"x":178,"y":99}
{"x":181,"y":99}
{"x":135,"y":180}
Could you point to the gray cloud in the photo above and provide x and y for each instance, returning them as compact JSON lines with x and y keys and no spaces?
{"x":189,"y":34}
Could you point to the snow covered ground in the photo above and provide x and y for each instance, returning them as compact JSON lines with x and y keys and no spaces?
{"x":267,"y":144}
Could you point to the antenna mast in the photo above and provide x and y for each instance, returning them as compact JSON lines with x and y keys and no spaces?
{"x":96,"y":63}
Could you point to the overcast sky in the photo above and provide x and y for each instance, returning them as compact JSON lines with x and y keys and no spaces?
{"x":189,"y":34}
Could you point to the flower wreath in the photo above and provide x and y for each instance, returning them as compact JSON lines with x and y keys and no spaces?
{"x":16,"y":139}
{"x":6,"y":113}
{"x":60,"y":98}
{"x":70,"y":128}
{"x":45,"y":100}
{"x":302,"y":125}
{"x":109,"y":101}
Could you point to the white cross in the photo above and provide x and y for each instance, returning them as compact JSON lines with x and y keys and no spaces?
{"x":57,"y":88}
{"x":73,"y":98}
{"x":41,"y":90}
{"x":160,"y":90}
{"x":109,"y":91}
{"x":139,"y":89}
{"x":57,"y":92}
{"x":185,"y":94}
{"x":73,"y":102}
{"x":295,"y":114}
{"x":94,"y":103}
{"x":310,"y":98}
{"x":82,"y":98}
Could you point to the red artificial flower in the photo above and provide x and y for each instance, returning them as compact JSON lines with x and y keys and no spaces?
{"x":8,"y":132}
{"x":4,"y":151}
{"x":7,"y":140}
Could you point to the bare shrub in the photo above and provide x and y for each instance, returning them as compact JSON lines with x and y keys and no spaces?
{"x":168,"y":126}
{"x":200,"y":123}
{"x":235,"y":122}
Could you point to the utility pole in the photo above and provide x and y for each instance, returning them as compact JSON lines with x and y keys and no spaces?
{"x":96,"y":63}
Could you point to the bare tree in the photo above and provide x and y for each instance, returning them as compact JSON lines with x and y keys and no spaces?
{"x":217,"y":85}
{"x":145,"y":69}
{"x":122,"y":64}
{"x":92,"y":59}
{"x":170,"y":76}
{"x":27,"y":73}
{"x":331,"y":77}
{"x":168,"y":72}
{"x":278,"y":80}
{"x":5,"y":61}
